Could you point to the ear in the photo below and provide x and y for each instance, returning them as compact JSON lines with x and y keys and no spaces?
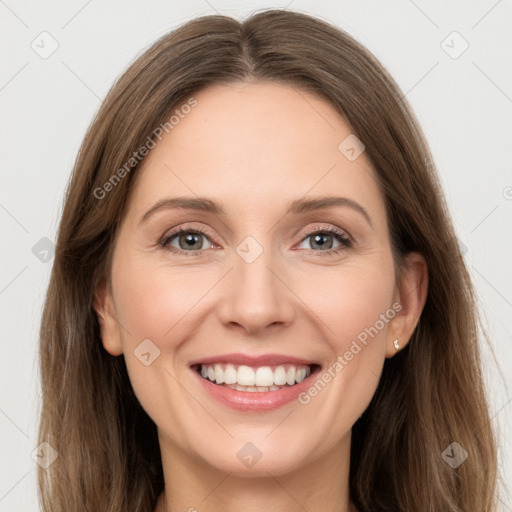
{"x":411,"y":294}
{"x":109,"y":326}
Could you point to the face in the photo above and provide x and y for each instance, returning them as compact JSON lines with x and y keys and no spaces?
{"x":269,"y":289}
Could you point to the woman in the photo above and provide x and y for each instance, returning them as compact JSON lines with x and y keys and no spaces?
{"x":258,"y":299}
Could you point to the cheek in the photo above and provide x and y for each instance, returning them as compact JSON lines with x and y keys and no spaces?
{"x":154,"y":301}
{"x":349,"y":300}
{"x":355,"y":309}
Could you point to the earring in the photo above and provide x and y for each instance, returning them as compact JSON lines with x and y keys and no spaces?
{"x":396,"y":344}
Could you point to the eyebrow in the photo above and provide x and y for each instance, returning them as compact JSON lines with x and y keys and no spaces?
{"x":295,"y":207}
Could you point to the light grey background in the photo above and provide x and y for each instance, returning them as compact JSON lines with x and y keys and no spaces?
{"x":464,"y":105}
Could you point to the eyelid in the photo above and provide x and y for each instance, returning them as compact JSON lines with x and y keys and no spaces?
{"x":330,"y":228}
{"x":319,"y":228}
{"x":185,"y":228}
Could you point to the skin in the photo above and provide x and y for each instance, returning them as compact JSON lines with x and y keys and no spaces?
{"x":255,"y":147}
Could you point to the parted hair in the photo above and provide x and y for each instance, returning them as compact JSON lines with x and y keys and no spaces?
{"x":429,"y":395}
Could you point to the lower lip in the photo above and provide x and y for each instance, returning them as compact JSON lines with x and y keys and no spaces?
{"x":256,"y":401}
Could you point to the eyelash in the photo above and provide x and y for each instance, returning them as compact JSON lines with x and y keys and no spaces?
{"x":345,"y":241}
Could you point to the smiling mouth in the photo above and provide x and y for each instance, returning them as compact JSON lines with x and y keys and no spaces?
{"x":255,"y":378}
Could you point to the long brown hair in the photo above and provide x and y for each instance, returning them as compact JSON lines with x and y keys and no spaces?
{"x":430,"y":394}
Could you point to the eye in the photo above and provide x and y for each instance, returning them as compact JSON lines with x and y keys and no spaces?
{"x":188,"y":241}
{"x":325,"y":238}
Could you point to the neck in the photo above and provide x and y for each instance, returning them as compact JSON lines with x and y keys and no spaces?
{"x":194,"y":485}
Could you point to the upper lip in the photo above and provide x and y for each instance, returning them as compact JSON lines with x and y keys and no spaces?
{"x":253,"y":360}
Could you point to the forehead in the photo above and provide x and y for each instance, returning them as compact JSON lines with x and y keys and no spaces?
{"x":256,"y":146}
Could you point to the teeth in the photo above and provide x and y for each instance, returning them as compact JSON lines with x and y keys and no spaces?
{"x":230,"y":374}
{"x":290,"y":376}
{"x":262,"y":378}
{"x":300,"y":375}
{"x":219,"y":374}
{"x":245,"y":376}
{"x":280,"y":376}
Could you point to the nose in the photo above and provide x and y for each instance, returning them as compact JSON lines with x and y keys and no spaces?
{"x":256,"y":296}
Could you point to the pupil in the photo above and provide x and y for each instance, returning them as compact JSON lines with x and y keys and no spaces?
{"x":319,"y":238}
{"x":191,"y":240}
